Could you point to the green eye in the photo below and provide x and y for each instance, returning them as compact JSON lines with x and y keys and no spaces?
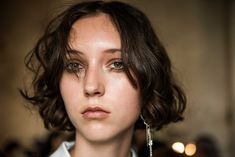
{"x":73,"y":67}
{"x":117,"y":65}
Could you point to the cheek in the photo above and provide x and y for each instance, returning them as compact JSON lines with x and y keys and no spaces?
{"x":127,"y":97}
{"x":127,"y":106}
{"x":69,"y":89}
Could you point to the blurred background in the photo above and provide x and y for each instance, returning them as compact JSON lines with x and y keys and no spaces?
{"x":199,"y":36}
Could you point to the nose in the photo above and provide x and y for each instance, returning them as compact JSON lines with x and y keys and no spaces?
{"x":94,"y":83}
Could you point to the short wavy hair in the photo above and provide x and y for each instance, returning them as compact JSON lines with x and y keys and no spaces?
{"x":162,"y":100}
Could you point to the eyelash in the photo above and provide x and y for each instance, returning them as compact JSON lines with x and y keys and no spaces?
{"x":73,"y":66}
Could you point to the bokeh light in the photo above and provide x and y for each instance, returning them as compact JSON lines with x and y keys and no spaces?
{"x":178,"y":147}
{"x":190,"y":149}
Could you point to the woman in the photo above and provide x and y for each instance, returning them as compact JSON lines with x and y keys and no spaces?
{"x":100,"y":71}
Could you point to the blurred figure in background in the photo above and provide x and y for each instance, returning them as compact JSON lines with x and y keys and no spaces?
{"x":206,"y":147}
{"x":13,"y":148}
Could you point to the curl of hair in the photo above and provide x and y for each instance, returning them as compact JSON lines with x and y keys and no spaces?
{"x":163,"y":101}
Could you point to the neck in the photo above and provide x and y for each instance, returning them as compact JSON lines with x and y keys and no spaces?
{"x":119,"y":146}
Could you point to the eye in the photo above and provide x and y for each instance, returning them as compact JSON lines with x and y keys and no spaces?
{"x":117,"y":65}
{"x":73,"y":66}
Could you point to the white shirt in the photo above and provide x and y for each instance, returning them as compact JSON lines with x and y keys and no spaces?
{"x":63,"y":150}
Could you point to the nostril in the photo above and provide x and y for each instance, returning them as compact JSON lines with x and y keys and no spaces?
{"x":90,"y":93}
{"x":92,"y":90}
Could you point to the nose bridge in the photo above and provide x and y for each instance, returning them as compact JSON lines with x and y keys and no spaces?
{"x":93,"y":81}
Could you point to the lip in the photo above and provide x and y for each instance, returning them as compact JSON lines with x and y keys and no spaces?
{"x":95,"y":113}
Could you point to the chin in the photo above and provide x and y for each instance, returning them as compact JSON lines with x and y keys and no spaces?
{"x":98,"y":136}
{"x":104,"y":134}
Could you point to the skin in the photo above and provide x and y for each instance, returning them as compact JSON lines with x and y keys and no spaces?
{"x":94,"y":77}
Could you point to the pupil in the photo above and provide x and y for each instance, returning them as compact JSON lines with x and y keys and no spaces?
{"x":118,"y":65}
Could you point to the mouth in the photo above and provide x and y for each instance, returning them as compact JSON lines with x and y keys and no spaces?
{"x":95,"y":113}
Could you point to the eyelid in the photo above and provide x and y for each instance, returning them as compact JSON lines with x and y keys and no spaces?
{"x":72,"y":56}
{"x":74,"y":60}
{"x":114,"y":60}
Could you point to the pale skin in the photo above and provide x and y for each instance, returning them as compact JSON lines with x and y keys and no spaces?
{"x":100,"y":100}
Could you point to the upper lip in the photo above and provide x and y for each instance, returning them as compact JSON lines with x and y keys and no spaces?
{"x":94,"y":109}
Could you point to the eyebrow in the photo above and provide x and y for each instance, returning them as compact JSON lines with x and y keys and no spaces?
{"x":75,"y":52}
{"x":112,"y":50}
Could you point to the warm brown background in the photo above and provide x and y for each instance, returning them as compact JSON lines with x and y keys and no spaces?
{"x":199,"y":35}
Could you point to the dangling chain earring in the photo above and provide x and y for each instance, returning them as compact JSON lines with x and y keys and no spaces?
{"x":148,"y":136}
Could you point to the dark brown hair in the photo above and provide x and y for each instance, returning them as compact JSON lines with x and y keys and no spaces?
{"x":162,"y":99}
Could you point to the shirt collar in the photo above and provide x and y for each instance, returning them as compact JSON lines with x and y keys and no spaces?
{"x":63,"y":150}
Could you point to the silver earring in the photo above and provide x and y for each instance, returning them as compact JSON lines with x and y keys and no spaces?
{"x":148,"y":136}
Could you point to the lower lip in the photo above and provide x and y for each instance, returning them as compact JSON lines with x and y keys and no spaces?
{"x":95,"y":115}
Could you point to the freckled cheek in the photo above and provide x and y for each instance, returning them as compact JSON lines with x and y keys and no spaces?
{"x":124,"y":94}
{"x":69,"y":89}
{"x":126,"y":104}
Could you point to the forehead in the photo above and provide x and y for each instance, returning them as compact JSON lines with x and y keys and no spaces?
{"x":94,"y":29}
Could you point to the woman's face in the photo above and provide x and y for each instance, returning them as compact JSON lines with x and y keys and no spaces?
{"x":100,"y":100}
